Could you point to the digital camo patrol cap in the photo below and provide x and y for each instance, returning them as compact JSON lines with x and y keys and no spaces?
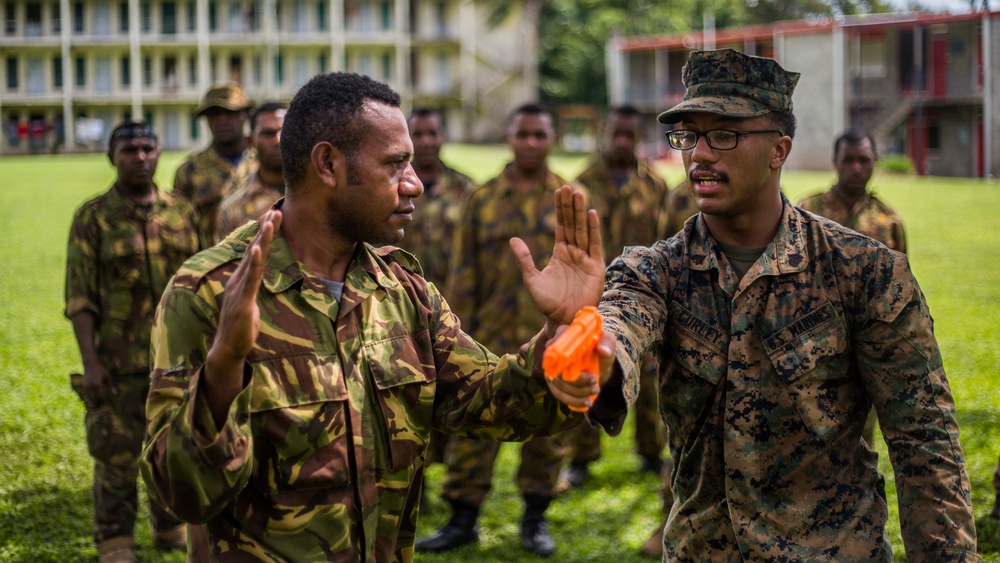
{"x":729,"y":83}
{"x":226,"y":96}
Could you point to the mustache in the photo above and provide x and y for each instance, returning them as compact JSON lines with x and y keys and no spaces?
{"x":707,"y":170}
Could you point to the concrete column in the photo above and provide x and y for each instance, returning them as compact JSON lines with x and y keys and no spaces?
{"x":404,"y":84}
{"x":135,"y":58}
{"x":337,"y":62}
{"x":990,"y":121}
{"x":532,"y":9}
{"x":69,"y":120}
{"x":838,"y":113}
{"x":467,"y":62}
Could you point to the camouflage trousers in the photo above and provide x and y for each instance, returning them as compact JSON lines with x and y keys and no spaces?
{"x":470,"y":468}
{"x":115,"y":431}
{"x":584,"y":441}
{"x":996,"y":477}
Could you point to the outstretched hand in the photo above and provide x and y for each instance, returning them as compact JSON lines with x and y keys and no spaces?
{"x":574,"y":276}
{"x":239,"y":321}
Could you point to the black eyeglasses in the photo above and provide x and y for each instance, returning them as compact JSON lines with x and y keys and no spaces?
{"x":718,"y":139}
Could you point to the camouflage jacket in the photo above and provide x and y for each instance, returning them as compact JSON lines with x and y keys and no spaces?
{"x":870,"y":217}
{"x":680,"y":207}
{"x":118,"y":262}
{"x":321,"y":457}
{"x":630,"y":214}
{"x":765,"y":384}
{"x":430,"y":235}
{"x":202,"y":180}
{"x":485,"y":287}
{"x":244,"y":202}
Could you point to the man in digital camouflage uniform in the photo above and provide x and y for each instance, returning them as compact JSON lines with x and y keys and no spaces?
{"x":201,"y":179}
{"x":777,"y":330}
{"x":496,"y":309}
{"x":250,"y":199}
{"x":123,"y":247}
{"x":629,"y":196}
{"x":298,"y":370}
{"x":850,"y":203}
{"x":430,"y":236}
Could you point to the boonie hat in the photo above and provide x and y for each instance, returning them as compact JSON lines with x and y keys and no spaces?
{"x":728,"y":83}
{"x":226,"y":96}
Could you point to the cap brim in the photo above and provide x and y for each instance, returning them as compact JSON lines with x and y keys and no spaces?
{"x":727,"y":106}
{"x":228,"y":107}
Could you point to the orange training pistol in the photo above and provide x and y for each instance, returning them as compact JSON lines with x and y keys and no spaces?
{"x":575,"y":350}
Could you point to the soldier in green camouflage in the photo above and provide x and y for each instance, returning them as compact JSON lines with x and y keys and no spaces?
{"x":777,"y":330}
{"x":203,"y":177}
{"x":123,"y":247}
{"x":298,"y":370}
{"x":430,"y":236}
{"x":630,"y":198}
{"x":497,"y":310}
{"x":248,"y":200}
{"x":850,"y":203}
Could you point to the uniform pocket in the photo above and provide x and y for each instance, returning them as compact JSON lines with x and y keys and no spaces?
{"x":404,"y":374}
{"x":809,"y":355}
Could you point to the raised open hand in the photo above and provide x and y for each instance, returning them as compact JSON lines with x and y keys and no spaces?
{"x":574,"y":277}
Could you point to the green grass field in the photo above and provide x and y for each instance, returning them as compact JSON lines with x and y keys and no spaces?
{"x":45,"y":471}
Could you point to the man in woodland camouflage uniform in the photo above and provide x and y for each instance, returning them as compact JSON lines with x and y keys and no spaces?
{"x":496,"y":309}
{"x":630,"y":198}
{"x":430,"y":236}
{"x":201,"y":179}
{"x":850,"y":203}
{"x":298,"y":370}
{"x":123,"y":247}
{"x":250,"y":199}
{"x":777,"y":331}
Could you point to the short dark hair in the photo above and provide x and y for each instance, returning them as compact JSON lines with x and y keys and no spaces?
{"x":854,"y":135}
{"x":327,"y":109}
{"x":129,"y":129}
{"x":626,"y":110}
{"x":266,"y":107}
{"x":785,"y":120}
{"x":530,"y":109}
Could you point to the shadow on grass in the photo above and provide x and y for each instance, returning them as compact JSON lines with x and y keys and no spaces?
{"x":47,"y":524}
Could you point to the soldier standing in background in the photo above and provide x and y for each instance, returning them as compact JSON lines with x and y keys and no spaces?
{"x":203,"y":176}
{"x":496,"y":309}
{"x":248,"y":200}
{"x":680,"y":207}
{"x":123,"y":247}
{"x":430,"y":236}
{"x":630,"y":199}
{"x":850,"y":203}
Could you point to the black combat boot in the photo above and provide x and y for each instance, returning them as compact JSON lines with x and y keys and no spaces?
{"x":535,"y":535}
{"x":462,"y":529}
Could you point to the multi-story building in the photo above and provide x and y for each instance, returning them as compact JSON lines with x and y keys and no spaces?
{"x":925,"y":85}
{"x":72,"y":68}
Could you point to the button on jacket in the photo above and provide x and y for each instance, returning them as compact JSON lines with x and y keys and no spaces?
{"x":765,"y":385}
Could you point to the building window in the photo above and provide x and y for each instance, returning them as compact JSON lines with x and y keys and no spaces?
{"x":80,"y":72}
{"x":322,"y":62}
{"x":123,"y":17}
{"x":192,"y":71}
{"x":194,"y":126}
{"x":56,"y":17}
{"x":321,"y":19}
{"x":78,"y":18}
{"x":213,"y":23}
{"x":385,"y":12}
{"x":257,"y":73}
{"x":279,"y":71}
{"x":126,"y":71}
{"x":934,"y":137}
{"x":145,"y":17}
{"x":170,"y":73}
{"x":168,"y":17}
{"x":33,"y":20}
{"x":192,"y":16}
{"x":386,"y":67}
{"x":12,"y":73}
{"x":9,"y":18}
{"x":300,"y":22}
{"x":147,"y":71}
{"x":213,"y":68}
{"x":57,"y":71}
